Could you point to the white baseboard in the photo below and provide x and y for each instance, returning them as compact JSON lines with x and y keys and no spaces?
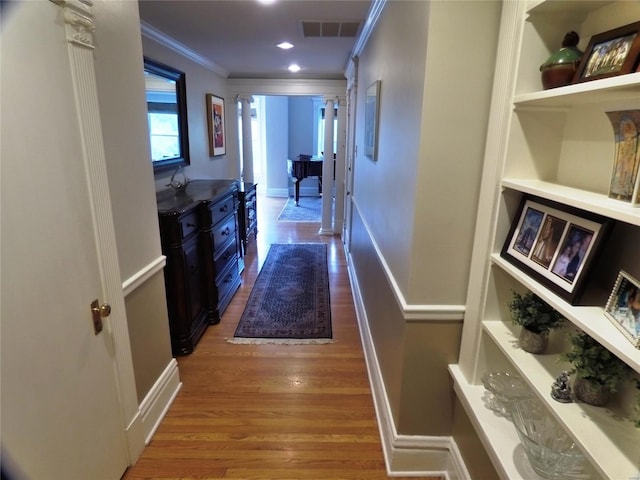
{"x":157,"y":402}
{"x":404,"y":455}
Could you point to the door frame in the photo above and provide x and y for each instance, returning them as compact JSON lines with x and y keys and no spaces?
{"x":80,"y":27}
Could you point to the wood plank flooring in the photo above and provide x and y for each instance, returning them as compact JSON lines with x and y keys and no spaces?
{"x":272,"y":411}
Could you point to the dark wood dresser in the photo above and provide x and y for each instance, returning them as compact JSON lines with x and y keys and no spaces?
{"x":247,"y":213}
{"x":200,"y":238}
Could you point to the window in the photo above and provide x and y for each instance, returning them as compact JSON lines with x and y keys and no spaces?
{"x":163,"y":127}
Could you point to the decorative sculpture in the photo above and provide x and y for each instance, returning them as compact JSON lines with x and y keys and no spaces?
{"x":560,"y":389}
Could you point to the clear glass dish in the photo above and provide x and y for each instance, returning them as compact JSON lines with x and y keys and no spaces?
{"x":505,"y":387}
{"x":551,"y":452}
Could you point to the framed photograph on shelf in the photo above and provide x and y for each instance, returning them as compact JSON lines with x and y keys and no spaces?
{"x":555,"y":244}
{"x":215,"y":121}
{"x":623,"y":307}
{"x":625,"y":177}
{"x":371,"y":107}
{"x":610,"y":53}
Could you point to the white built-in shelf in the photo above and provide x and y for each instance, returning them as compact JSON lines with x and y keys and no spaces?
{"x":497,"y":433}
{"x":606,"y":90}
{"x":564,"y":7}
{"x":610,"y":443}
{"x":592,"y":202}
{"x":591,"y":320}
{"x":546,"y":134}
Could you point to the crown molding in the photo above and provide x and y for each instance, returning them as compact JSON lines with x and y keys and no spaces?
{"x":167,"y":41}
{"x":372,"y":18}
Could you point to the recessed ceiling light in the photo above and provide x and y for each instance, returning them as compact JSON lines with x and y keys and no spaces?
{"x":285,"y":45}
{"x":294,"y":68}
{"x":266,"y":2}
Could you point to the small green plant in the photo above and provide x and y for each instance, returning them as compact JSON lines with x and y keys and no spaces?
{"x":534,"y":314}
{"x":594,"y":363}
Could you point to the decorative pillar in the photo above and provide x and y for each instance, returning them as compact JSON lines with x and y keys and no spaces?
{"x":247,"y":141}
{"x":79,"y":28}
{"x":326,"y":227}
{"x":341,"y":150}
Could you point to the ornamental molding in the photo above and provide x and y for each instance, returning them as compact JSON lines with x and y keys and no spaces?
{"x":78,"y":20}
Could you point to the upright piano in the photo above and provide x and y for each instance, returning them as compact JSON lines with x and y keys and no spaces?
{"x":302,"y":167}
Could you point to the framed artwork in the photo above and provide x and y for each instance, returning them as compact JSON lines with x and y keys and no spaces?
{"x":215,"y":120}
{"x":555,"y":244}
{"x":611,"y":53}
{"x":625,"y":180}
{"x":371,"y":107}
{"x":623,"y":307}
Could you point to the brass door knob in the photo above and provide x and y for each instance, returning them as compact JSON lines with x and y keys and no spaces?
{"x":103,"y":310}
{"x":98,"y":312}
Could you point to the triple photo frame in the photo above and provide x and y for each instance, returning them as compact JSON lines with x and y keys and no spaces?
{"x":555,"y":244}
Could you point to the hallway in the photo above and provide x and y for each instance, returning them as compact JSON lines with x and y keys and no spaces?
{"x":269,"y":411}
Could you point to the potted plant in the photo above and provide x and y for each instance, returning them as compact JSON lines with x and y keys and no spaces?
{"x":598,"y":371}
{"x":536,"y":317}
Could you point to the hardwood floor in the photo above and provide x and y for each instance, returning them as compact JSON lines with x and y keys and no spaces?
{"x":272,"y":411}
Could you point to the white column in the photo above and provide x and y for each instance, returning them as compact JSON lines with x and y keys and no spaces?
{"x":326,"y":227}
{"x":341,"y":150}
{"x":247,"y":140}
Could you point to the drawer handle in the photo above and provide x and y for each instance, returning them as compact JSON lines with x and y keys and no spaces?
{"x":226,"y":231}
{"x":228,"y":278}
{"x":191,"y":225}
{"x":224,"y":208}
{"x":227,"y":255}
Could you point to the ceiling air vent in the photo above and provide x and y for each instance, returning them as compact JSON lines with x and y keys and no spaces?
{"x":329,"y":28}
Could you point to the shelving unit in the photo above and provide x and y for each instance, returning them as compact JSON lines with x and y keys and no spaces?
{"x":557,"y":145}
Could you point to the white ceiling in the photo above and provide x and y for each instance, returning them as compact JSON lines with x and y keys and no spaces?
{"x":237,"y":38}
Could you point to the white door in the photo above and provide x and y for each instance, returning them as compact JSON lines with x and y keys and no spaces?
{"x":61,"y":412}
{"x":350,"y":154}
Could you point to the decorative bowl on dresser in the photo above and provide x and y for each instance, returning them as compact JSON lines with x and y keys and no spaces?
{"x":199,"y":236}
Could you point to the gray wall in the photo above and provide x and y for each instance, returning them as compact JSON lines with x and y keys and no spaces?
{"x":277,"y":140}
{"x":414,"y":207}
{"x":199,"y":82}
{"x":121,"y":95}
{"x":302,"y":134}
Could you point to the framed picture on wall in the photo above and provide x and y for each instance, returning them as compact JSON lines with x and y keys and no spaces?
{"x":215,"y":120}
{"x":371,"y":107}
{"x":555,"y":244}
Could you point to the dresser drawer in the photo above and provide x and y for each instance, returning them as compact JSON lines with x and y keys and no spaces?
{"x":222,"y":208}
{"x":228,"y":254}
{"x":176,"y":228}
{"x":188,"y":224}
{"x":228,"y":281}
{"x":223,"y":231}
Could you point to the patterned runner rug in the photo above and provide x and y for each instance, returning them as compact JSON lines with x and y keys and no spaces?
{"x":309,"y":210}
{"x":289,"y":302}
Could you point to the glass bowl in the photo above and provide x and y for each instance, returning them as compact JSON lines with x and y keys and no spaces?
{"x":506,"y":387}
{"x":551,"y":452}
